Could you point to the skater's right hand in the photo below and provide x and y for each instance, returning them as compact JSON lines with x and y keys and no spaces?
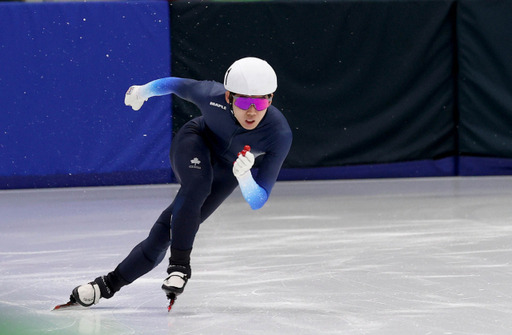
{"x":244,"y":162}
{"x":133,"y":98}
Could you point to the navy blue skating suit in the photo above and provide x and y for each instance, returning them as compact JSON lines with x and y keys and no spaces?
{"x":202,"y":156}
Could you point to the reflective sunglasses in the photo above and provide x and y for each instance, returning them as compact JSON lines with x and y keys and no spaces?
{"x":246,"y":102}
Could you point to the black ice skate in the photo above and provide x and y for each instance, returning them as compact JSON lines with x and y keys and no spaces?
{"x":175,"y":283}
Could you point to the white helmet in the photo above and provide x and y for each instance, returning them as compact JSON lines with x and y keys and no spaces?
{"x":250,"y":76}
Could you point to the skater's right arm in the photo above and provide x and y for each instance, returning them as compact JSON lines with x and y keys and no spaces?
{"x":182,"y":87}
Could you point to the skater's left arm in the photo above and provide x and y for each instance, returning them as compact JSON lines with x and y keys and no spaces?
{"x":254,"y":194}
{"x":257,"y":190}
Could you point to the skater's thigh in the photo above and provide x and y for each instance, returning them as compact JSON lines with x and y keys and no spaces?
{"x":191,"y":158}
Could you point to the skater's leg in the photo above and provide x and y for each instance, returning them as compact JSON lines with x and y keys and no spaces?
{"x":205,"y":184}
{"x":143,"y":258}
{"x":192,"y":166}
{"x":150,"y":252}
{"x":191,"y":163}
{"x":179,"y":264}
{"x":222,"y":186}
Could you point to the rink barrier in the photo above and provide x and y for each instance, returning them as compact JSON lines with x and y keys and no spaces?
{"x":372,"y":89}
{"x":360,"y":82}
{"x":65,"y":69}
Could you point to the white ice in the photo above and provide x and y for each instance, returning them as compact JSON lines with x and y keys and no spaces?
{"x":389,"y":256}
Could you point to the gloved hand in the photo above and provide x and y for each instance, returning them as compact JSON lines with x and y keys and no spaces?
{"x":244,"y":162}
{"x":133,"y":98}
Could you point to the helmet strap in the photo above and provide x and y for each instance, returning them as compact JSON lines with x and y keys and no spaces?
{"x":230,"y":98}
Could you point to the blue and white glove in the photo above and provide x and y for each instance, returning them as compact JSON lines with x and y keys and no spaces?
{"x":134,"y":98}
{"x":254,"y":194}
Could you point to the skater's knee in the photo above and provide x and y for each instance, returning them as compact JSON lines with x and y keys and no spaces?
{"x":157,"y":242}
{"x":165,"y":218}
{"x":155,"y":255}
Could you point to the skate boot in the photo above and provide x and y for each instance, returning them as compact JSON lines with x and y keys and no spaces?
{"x":175,"y":283}
{"x":86,"y":295}
{"x":89,"y":294}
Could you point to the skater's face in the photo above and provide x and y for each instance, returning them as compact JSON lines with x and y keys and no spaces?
{"x":249,"y":110}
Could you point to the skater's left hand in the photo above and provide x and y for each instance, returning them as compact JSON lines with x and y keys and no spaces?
{"x":244,"y":162}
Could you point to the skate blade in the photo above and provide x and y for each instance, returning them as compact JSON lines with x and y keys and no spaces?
{"x":172,"y":300}
{"x":68,"y":305}
{"x":170,"y":305}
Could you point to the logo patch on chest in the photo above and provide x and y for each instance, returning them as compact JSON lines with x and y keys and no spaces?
{"x":214,"y":104}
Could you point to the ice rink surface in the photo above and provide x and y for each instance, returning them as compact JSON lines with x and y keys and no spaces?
{"x":389,"y":256}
